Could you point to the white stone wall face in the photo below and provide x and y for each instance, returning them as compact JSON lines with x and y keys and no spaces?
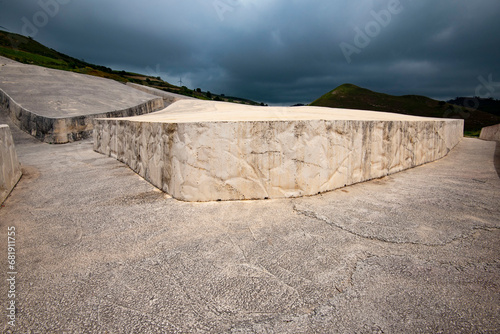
{"x":491,"y":133}
{"x":210,"y":161}
{"x":66,"y":129}
{"x":10,"y":169}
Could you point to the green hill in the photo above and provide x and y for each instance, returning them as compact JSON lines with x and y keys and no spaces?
{"x":353,"y":97}
{"x":489,"y":105}
{"x":28,"y":51}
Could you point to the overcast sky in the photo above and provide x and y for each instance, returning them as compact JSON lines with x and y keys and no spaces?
{"x":279,"y":51}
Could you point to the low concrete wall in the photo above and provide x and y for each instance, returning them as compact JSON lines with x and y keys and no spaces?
{"x":490,"y":133}
{"x":236,"y":160}
{"x":168,"y":97}
{"x":10,"y":169}
{"x":61,"y":130}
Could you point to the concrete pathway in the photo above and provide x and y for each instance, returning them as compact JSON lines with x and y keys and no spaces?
{"x":59,"y":106}
{"x":62,"y":94}
{"x":100,"y":250}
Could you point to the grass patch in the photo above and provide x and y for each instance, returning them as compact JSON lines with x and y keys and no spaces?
{"x":30,"y":58}
{"x":472,"y":134}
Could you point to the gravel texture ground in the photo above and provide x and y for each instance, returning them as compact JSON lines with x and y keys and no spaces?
{"x":100,"y":250}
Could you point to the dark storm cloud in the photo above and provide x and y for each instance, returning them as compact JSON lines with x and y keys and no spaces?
{"x":279,"y":51}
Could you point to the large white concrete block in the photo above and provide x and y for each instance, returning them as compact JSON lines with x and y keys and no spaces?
{"x":10,"y":169}
{"x":58,"y":106}
{"x":490,"y":133}
{"x":204,"y":151}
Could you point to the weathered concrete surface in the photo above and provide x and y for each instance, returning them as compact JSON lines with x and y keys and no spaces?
{"x":168,"y":98}
{"x":59,"y":106}
{"x":490,"y":133}
{"x":207,"y":151}
{"x":10,"y":169}
{"x":414,"y":252}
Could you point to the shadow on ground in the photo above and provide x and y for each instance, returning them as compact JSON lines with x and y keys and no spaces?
{"x":497,"y":159}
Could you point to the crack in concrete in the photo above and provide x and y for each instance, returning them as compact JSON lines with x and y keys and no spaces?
{"x":265,"y":152}
{"x":197,"y":167}
{"x":486,"y":228}
{"x":306,"y":163}
{"x":314,"y":215}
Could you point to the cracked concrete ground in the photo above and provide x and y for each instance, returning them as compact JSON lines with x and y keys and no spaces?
{"x":100,"y":250}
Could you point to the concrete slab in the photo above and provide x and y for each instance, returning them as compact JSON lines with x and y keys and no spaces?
{"x":99,"y":249}
{"x":10,"y":169}
{"x":490,"y":133}
{"x":58,"y":106}
{"x":207,"y":151}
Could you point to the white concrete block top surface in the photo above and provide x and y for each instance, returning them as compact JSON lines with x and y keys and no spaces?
{"x":62,"y":94}
{"x":189,"y":111}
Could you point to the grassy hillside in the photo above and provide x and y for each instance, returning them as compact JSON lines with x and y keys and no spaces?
{"x":28,"y":51}
{"x":353,"y":97}
{"x":488,"y":105}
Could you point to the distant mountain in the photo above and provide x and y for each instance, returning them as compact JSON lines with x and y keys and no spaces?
{"x":28,"y":51}
{"x":489,"y":105}
{"x":353,"y":97}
